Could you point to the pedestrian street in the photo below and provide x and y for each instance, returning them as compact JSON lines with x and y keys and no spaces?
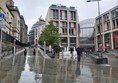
{"x":37,"y":69}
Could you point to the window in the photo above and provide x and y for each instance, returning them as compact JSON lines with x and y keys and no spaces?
{"x":108,"y":25}
{"x":61,"y":14}
{"x":117,"y":12}
{"x":71,"y":31}
{"x":98,"y":29}
{"x":64,"y":24}
{"x":113,"y":14}
{"x":106,"y":17}
{"x":64,"y":31}
{"x":116,"y":23}
{"x":113,"y":23}
{"x":57,"y":24}
{"x":55,"y":14}
{"x":65,"y":15}
{"x":74,"y":16}
{"x":107,"y":37}
{"x":69,"y":24}
{"x":71,"y":15}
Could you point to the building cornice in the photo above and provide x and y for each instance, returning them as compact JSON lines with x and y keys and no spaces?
{"x":14,"y":8}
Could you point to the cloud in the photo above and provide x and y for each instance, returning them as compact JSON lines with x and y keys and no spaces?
{"x":33,"y":9}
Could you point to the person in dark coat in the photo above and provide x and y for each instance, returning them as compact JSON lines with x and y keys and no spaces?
{"x":79,"y":51}
{"x":34,"y":51}
{"x":25,"y":52}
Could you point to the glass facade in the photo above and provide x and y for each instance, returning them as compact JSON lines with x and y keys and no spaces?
{"x":87,"y":33}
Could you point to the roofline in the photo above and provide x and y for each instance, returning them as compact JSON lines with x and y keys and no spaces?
{"x":107,"y":11}
{"x":11,"y":8}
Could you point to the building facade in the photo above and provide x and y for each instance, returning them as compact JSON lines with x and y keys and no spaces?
{"x":12,"y":19}
{"x":36,"y":30}
{"x":16,"y":21}
{"x":8,"y":20}
{"x":87,"y":31}
{"x":65,"y":19}
{"x":23,"y":30}
{"x":10,"y":26}
{"x":107,"y":30}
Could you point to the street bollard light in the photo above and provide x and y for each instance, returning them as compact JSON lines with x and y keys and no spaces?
{"x":44,"y":48}
{"x":98,"y":24}
{"x":14,"y":48}
{"x":0,"y":42}
{"x":14,"y":51}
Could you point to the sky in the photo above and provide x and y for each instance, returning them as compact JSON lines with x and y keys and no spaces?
{"x":33,"y":9}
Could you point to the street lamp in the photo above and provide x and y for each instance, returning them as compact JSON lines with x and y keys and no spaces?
{"x":98,"y":23}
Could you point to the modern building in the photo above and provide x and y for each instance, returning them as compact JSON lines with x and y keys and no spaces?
{"x":87,"y":34}
{"x":65,"y":19}
{"x":107,"y":30}
{"x":31,"y":36}
{"x":36,"y":30}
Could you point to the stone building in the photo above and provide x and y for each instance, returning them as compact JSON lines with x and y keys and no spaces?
{"x":107,"y":30}
{"x":65,"y":20}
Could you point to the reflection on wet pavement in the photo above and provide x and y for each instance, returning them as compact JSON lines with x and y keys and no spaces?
{"x":9,"y":72}
{"x":36,"y":69}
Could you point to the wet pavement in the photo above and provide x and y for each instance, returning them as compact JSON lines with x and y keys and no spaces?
{"x":36,"y":69}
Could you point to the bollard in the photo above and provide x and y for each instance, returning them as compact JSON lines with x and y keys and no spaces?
{"x":34,"y":52}
{"x":25,"y":52}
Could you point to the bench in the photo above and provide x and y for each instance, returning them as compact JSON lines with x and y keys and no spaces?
{"x":99,"y":60}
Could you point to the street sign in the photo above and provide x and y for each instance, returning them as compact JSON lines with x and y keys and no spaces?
{"x":2,"y":15}
{"x":1,"y":20}
{"x":2,"y":25}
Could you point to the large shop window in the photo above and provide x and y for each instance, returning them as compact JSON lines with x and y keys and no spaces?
{"x":116,"y":40}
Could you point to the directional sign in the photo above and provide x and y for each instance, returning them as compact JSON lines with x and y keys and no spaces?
{"x":2,"y":25}
{"x":2,"y":15}
{"x":1,"y":20}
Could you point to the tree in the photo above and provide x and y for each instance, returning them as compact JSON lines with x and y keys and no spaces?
{"x":49,"y":35}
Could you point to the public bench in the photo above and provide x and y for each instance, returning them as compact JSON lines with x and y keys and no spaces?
{"x":99,"y":60}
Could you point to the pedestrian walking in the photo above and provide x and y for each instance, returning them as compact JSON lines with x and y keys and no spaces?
{"x":71,"y":52}
{"x":25,"y":52}
{"x":34,"y":52}
{"x":79,"y":51}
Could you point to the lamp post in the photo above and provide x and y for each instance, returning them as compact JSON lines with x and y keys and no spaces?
{"x":98,"y":23}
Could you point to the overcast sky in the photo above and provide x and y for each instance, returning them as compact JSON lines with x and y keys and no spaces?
{"x":33,"y":9}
